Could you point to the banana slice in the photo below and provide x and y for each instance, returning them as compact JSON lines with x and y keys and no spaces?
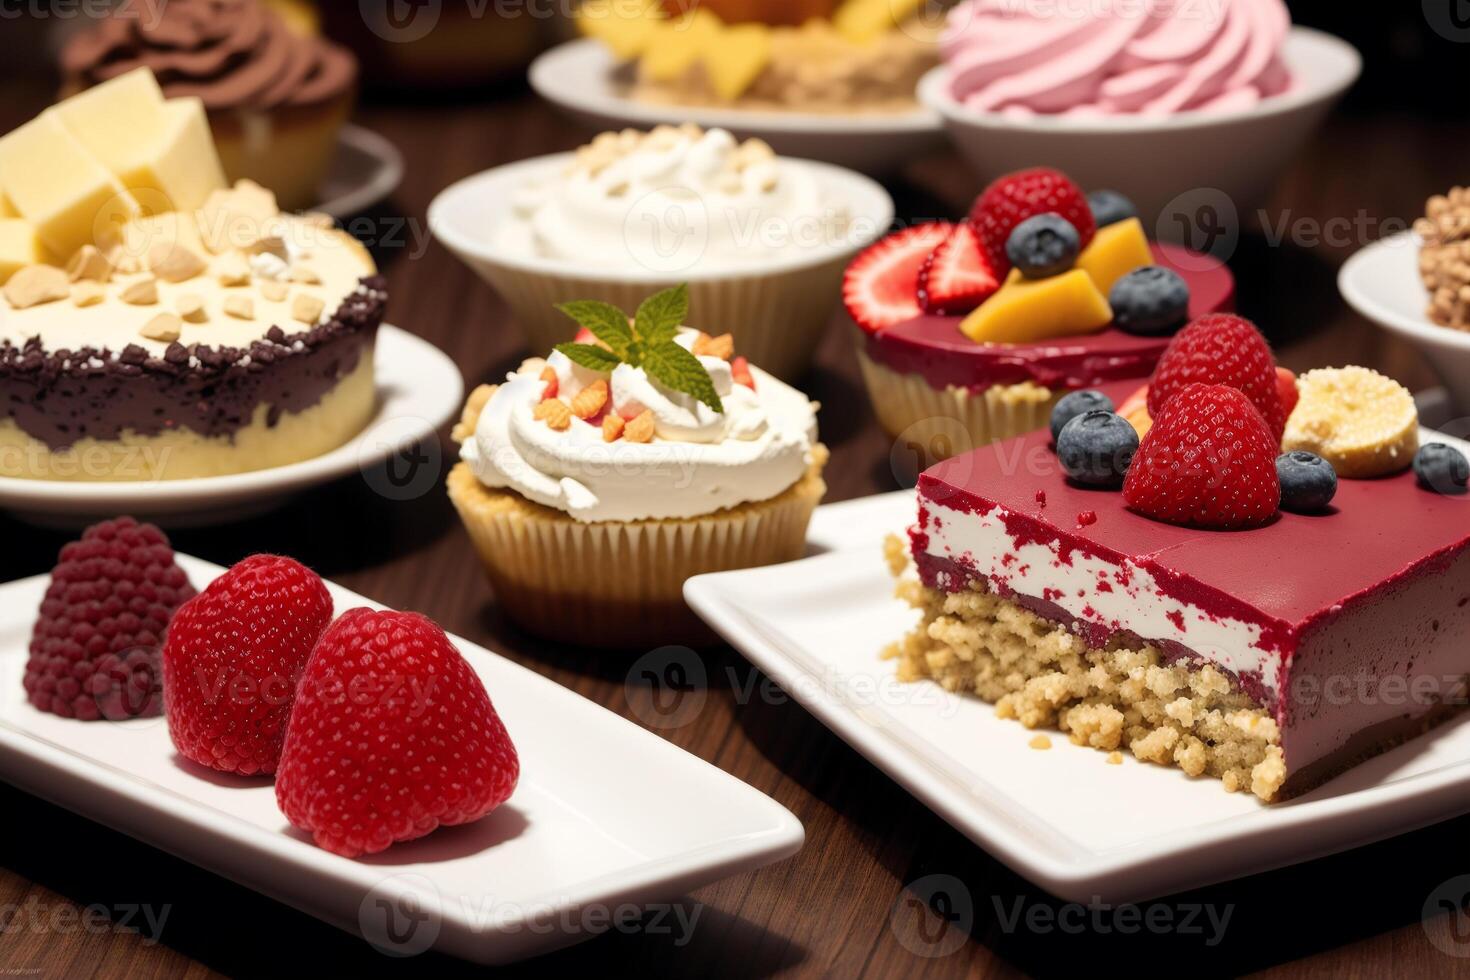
{"x":1362,"y":423}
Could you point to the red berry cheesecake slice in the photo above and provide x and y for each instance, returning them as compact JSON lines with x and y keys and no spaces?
{"x":961,"y":344}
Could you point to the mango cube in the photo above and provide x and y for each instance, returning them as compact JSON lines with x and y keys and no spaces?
{"x":1024,"y":311}
{"x":66,"y":194}
{"x":19,"y":247}
{"x":677,"y":44}
{"x":867,"y":20}
{"x":740,"y":56}
{"x":626,"y":28}
{"x":1115,"y":251}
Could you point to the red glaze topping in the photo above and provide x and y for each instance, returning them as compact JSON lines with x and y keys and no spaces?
{"x":934,"y":347}
{"x":1377,"y":534}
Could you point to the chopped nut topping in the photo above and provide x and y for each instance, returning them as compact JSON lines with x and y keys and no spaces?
{"x":269,"y":244}
{"x":141,"y":293}
{"x":612,"y":427}
{"x":240,"y":307}
{"x":274,"y":291}
{"x":722,"y":346}
{"x":590,"y":400}
{"x":555,"y":413}
{"x":191,"y":307}
{"x":236,"y":217}
{"x":37,"y":284}
{"x":174,"y":263}
{"x":233,"y":270}
{"x":90,"y":265}
{"x":165,"y":327}
{"x":640,"y":429}
{"x":1444,"y":261}
{"x":305,"y":274}
{"x":306,"y":308}
{"x":87,"y":293}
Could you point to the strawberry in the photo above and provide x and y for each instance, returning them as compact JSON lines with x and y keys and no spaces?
{"x":740,"y":372}
{"x":1208,"y":461}
{"x":1286,"y":390}
{"x":232,"y":659}
{"x":1024,"y":194}
{"x":881,"y":286}
{"x":1221,"y":349}
{"x":393,"y":736}
{"x":956,"y":277}
{"x":584,"y":336}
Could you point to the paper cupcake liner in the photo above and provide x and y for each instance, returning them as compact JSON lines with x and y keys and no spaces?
{"x":777,"y":318}
{"x":935,"y":424}
{"x":621,"y":584}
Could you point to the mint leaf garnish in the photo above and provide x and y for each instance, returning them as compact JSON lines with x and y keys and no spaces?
{"x":607,"y":323}
{"x":674,"y":367}
{"x":659,"y":316}
{"x":590,"y":356}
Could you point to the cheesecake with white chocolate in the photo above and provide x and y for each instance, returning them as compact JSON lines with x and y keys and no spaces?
{"x":144,"y":343}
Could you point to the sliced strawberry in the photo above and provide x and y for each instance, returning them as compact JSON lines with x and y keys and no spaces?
{"x":553,"y":383}
{"x":957,"y":276}
{"x":881,"y":286}
{"x":740,"y":371}
{"x":1286,"y":389}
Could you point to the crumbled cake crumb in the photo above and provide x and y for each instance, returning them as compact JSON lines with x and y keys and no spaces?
{"x":1040,"y":742}
{"x":1115,"y":758}
{"x":1119,"y":698}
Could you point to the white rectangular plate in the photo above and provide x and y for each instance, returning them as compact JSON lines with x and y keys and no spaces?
{"x":606,"y":816}
{"x":1078,"y":827}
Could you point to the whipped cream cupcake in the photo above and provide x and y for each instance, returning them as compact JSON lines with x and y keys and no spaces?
{"x":595,"y":481}
{"x":1149,"y":59}
{"x":276,"y":98}
{"x":760,"y":239}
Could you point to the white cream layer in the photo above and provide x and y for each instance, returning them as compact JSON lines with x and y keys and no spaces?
{"x":669,"y":204}
{"x":1136,"y":602}
{"x":700,"y":461}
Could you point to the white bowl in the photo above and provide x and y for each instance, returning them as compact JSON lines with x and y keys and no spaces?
{"x":1382,"y":283}
{"x":1191,"y":156}
{"x":777,"y":306}
{"x":579,"y":78}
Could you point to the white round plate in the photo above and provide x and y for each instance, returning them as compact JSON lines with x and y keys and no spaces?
{"x":1382,"y":283}
{"x":366,"y":169}
{"x":578,"y":77}
{"x":419,"y":389}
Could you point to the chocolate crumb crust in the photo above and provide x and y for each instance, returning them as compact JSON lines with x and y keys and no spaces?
{"x":60,"y":397}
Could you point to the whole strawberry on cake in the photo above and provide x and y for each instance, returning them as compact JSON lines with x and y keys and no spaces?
{"x":1249,"y":575}
{"x":971,"y":331}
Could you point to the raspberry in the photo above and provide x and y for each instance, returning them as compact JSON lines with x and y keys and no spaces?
{"x":1024,"y":194}
{"x":1220,"y":349}
{"x":393,"y":736}
{"x":1208,"y":461}
{"x":233,"y":658}
{"x":95,"y":647}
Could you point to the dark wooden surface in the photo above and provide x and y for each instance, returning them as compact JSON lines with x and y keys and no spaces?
{"x":830,"y":909}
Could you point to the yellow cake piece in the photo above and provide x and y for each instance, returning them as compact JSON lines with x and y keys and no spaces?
{"x":741,"y":54}
{"x":7,"y":210}
{"x":867,"y":20}
{"x":1027,"y":310}
{"x":66,"y":194}
{"x":160,"y":150}
{"x":1115,"y":251}
{"x":19,"y":247}
{"x":627,"y":28}
{"x":677,"y":44}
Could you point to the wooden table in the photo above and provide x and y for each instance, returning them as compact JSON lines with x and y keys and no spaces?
{"x":831,"y":909}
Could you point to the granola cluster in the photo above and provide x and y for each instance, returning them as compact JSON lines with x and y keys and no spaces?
{"x":1037,"y":672}
{"x":1444,"y":260}
{"x":608,"y":148}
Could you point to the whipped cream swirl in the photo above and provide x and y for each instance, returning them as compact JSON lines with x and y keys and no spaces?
{"x":666,"y":200}
{"x":1111,"y":57}
{"x":699,"y":461}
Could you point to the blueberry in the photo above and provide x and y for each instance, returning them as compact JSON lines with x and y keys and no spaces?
{"x":1043,"y":245}
{"x":1151,"y":301}
{"x":1110,"y":207}
{"x":1095,"y":448}
{"x":1441,"y":468}
{"x":1077,"y":403}
{"x":1308,"y":482}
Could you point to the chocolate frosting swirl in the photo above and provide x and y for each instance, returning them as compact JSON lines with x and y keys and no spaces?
{"x":233,"y":54}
